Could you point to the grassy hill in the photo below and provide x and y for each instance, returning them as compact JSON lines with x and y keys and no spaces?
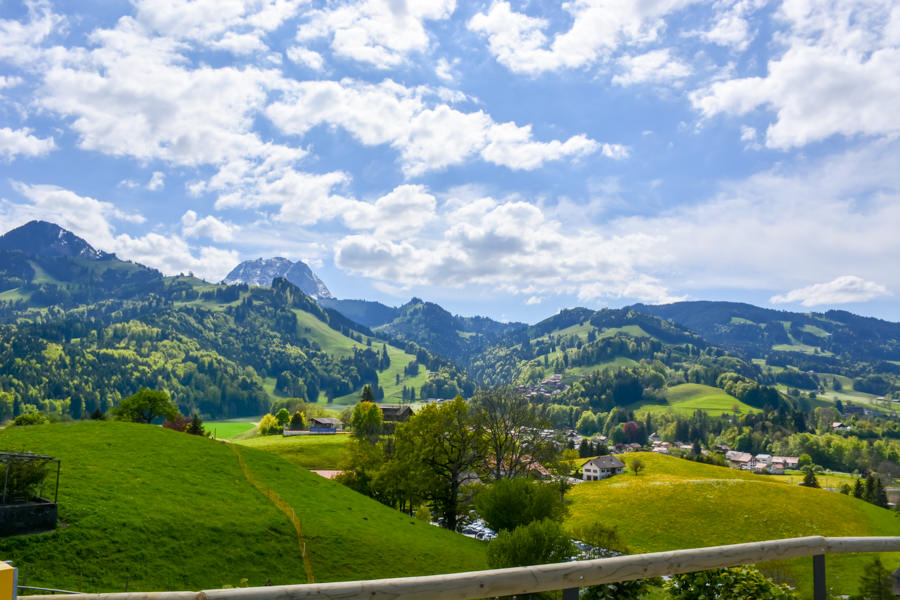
{"x":164,"y":510}
{"x":688,"y":397}
{"x":307,"y":451}
{"x":676,"y":503}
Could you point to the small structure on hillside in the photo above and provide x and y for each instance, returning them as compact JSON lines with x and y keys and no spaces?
{"x":395,"y":413}
{"x":23,"y":507}
{"x":601,"y":468}
{"x":325,"y":425}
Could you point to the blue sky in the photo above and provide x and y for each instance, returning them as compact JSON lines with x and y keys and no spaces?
{"x":499,"y":158}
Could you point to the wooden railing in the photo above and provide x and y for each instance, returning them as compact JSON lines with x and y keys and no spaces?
{"x":539,"y":578}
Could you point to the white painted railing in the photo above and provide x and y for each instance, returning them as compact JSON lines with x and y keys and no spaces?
{"x":562,"y":576}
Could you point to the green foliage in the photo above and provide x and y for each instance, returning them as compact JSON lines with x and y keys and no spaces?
{"x":636,"y":465}
{"x":875,"y":583}
{"x":283,"y":416}
{"x":366,"y":420}
{"x":539,"y":542}
{"x":736,"y":583}
{"x":195,"y":427}
{"x":31,"y":418}
{"x":809,"y":478}
{"x":268,"y":425}
{"x":22,"y":478}
{"x":439,"y":446}
{"x":510,"y":503}
{"x":145,"y":406}
{"x":298,"y":421}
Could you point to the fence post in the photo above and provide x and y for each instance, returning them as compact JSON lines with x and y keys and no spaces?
{"x":570,"y":594}
{"x":819,"y":588}
{"x":9,"y":583}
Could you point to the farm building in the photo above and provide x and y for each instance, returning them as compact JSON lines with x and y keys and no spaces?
{"x":325,"y":425}
{"x":395,"y":413}
{"x":601,"y":468}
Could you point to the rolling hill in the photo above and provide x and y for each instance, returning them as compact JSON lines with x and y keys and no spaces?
{"x":683,"y":504}
{"x":154,"y":509}
{"x":686,"y":398}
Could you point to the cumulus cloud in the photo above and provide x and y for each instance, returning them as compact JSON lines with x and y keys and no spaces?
{"x":305,"y":56}
{"x":841,"y":290}
{"x":657,"y":66}
{"x":839,"y":75}
{"x":429,"y":134}
{"x":20,"y":142}
{"x":20,"y":41}
{"x":208,"y":227}
{"x":599,"y":27}
{"x":157,"y":181}
{"x":381,"y":33}
{"x":404,"y":210}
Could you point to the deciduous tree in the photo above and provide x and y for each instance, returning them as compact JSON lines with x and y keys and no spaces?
{"x":145,"y":406}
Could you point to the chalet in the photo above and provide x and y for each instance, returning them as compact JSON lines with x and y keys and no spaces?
{"x":740,"y":460}
{"x":838,"y":426}
{"x":325,"y":425}
{"x":788,"y":462}
{"x":395,"y":413}
{"x":601,"y":468}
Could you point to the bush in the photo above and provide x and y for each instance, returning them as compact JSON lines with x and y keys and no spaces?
{"x":539,"y":542}
{"x":736,"y":583}
{"x":32,"y":418}
{"x":23,"y":478}
{"x":510,"y":503}
{"x":268,"y":425}
{"x":298,"y":422}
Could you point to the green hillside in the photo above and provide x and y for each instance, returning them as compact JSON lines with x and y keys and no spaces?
{"x":307,"y":451}
{"x":676,"y":503}
{"x":164,"y":510}
{"x":689,"y":397}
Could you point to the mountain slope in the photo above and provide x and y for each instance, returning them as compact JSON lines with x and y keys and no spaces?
{"x":154,"y":509}
{"x":41,"y":238}
{"x":827,"y":338}
{"x":263,"y":271}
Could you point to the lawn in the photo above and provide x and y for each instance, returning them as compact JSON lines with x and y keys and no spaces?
{"x":675,"y":503}
{"x":225,"y":430}
{"x":689,"y":397}
{"x":156,"y":509}
{"x":307,"y":451}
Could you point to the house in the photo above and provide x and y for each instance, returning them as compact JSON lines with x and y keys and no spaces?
{"x":325,"y":425}
{"x":601,"y":468}
{"x":838,"y":426}
{"x":787,"y":462}
{"x":395,"y":413}
{"x":740,"y":460}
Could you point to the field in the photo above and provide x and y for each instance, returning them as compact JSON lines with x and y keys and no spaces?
{"x":688,"y":397}
{"x":682,"y":504}
{"x":307,"y":451}
{"x":225,"y":430}
{"x":155,"y":509}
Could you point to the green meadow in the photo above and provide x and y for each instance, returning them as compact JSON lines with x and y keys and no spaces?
{"x":148,"y":508}
{"x":675,"y":503}
{"x":307,"y":451}
{"x":689,"y":397}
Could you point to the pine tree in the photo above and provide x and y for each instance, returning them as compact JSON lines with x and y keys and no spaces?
{"x":367,"y":395}
{"x":858,"y":490}
{"x":875,"y":582}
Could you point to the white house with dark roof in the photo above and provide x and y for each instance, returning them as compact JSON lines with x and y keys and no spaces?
{"x":601,"y":468}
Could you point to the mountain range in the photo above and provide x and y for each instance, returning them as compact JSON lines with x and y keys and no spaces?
{"x":84,"y":327}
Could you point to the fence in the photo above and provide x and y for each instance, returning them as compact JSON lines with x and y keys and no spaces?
{"x":539,"y":578}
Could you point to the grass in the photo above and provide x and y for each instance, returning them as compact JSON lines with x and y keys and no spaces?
{"x":689,"y":397}
{"x":163,"y":510}
{"x":307,"y":451}
{"x":676,"y":504}
{"x":617,"y":362}
{"x":804,"y":348}
{"x":225,"y":430}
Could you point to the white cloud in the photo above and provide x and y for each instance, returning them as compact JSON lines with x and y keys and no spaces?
{"x":20,"y":142}
{"x":839,"y":75}
{"x":10,"y":81}
{"x":428,"y":135}
{"x":20,"y":41}
{"x":208,"y":227}
{"x":305,"y":56}
{"x":157,"y":181}
{"x":657,"y":66}
{"x":841,"y":290}
{"x":404,"y":210}
{"x":172,"y":255}
{"x":382,"y":33}
{"x":599,"y":27}
{"x":240,"y":43}
{"x":730,"y":27}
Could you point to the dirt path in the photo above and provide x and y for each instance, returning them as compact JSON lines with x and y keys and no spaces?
{"x":282,"y":505}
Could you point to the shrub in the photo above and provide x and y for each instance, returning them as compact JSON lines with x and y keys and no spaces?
{"x":736,"y":583}
{"x":510,"y":503}
{"x":32,"y":418}
{"x":268,"y":425}
{"x":539,"y":542}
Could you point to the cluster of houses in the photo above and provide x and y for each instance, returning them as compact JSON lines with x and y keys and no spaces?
{"x":390,"y":413}
{"x":549,"y":387}
{"x":775,"y":465}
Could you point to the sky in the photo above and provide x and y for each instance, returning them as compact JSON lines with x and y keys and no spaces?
{"x":500,"y":158}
